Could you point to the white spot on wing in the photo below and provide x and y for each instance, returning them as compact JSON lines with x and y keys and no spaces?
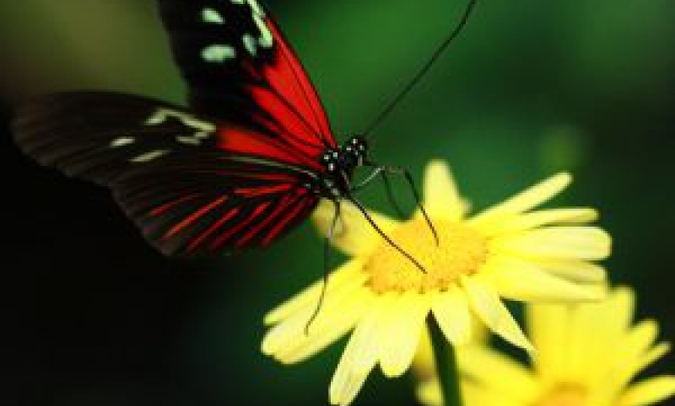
{"x":203,"y":129}
{"x":212,"y":16}
{"x":122,"y":141}
{"x":250,"y":44}
{"x":255,"y":7}
{"x":218,"y":53}
{"x":162,"y":114}
{"x":150,"y":156}
{"x":266,"y":39}
{"x":189,"y":140}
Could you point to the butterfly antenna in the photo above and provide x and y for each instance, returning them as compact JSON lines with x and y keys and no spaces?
{"x":326,"y":267}
{"x":423,"y":71}
{"x":384,"y":235}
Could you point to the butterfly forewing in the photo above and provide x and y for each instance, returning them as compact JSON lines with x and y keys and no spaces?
{"x":238,"y":66}
{"x":171,"y":170}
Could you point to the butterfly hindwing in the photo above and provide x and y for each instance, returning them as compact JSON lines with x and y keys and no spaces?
{"x":170,"y":170}
{"x":212,"y":208}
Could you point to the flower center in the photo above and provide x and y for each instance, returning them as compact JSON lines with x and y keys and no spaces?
{"x":462,"y":251}
{"x":567,"y":394}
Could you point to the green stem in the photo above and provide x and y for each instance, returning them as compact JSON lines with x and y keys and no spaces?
{"x":446,"y":365}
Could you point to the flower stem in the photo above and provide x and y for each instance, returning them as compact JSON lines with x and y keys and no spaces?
{"x":446,"y":365}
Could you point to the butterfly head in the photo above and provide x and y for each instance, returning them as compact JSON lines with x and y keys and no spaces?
{"x":343,"y":160}
{"x":340,"y":164}
{"x":355,"y":151}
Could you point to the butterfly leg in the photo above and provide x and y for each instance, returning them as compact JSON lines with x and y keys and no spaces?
{"x":397,"y":170}
{"x":390,"y":194}
{"x":377,"y":228}
{"x":381,"y":172}
{"x":326,"y":264}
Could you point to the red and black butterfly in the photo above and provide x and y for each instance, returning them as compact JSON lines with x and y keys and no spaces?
{"x":244,"y":164}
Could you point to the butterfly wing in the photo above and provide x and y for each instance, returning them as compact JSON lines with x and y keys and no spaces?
{"x":239,"y":67}
{"x":188,"y":186}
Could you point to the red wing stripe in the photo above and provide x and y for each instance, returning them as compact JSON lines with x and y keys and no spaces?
{"x":215,"y":226}
{"x":243,"y":223}
{"x":245,"y":142}
{"x":273,"y":177}
{"x":283,"y":203}
{"x":193,"y":217}
{"x":284,"y":222}
{"x":167,"y":206}
{"x":309,"y":94}
{"x":289,"y":139}
{"x":263,"y":190}
{"x":269,"y":91}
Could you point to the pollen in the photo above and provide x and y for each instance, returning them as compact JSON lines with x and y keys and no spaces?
{"x":461,"y":251}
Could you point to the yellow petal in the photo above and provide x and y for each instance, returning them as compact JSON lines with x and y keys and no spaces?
{"x":498,"y":373}
{"x":651,"y":356}
{"x":343,"y":391}
{"x":329,"y":326}
{"x":359,"y":357}
{"x":526,"y":200}
{"x":632,"y":349}
{"x":622,"y":308}
{"x":477,"y":395}
{"x":489,"y":307}
{"x":451,"y":310}
{"x":608,"y":392}
{"x":520,"y":280}
{"x":345,"y":279}
{"x":595,"y":333}
{"x":366,"y":338}
{"x":547,"y":327}
{"x":649,"y":392}
{"x":588,"y":243}
{"x":522,"y":222}
{"x":441,"y":198}
{"x":400,"y":336}
{"x":429,"y":393}
{"x":423,"y":364}
{"x":573,"y":270}
{"x":336,"y":315}
{"x":353,"y":235}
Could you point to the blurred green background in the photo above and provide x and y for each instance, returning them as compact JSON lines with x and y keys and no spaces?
{"x":530,"y":88}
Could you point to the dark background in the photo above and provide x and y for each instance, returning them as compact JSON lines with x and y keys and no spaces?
{"x":96,"y":317}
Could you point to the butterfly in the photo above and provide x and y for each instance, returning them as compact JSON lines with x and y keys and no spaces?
{"x":246,"y":162}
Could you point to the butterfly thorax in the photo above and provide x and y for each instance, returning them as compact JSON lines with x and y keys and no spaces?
{"x":340,"y":164}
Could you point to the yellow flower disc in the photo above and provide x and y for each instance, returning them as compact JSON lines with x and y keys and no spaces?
{"x":462,"y":251}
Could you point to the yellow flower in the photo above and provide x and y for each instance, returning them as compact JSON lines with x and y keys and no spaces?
{"x":587,"y":355}
{"x":506,"y":251}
